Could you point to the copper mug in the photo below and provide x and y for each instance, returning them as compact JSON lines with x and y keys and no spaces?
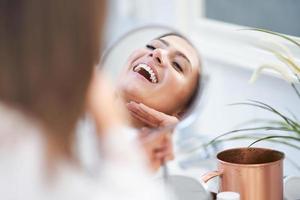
{"x":255,"y":173}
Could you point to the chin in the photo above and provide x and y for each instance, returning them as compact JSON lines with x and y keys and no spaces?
{"x":129,"y":92}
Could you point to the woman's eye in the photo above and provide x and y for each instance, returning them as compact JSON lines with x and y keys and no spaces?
{"x":177,"y":67}
{"x":148,"y":46}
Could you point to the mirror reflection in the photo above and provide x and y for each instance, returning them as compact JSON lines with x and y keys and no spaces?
{"x":158,"y":80}
{"x":157,"y":74}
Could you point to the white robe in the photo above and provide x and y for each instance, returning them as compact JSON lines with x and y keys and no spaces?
{"x":121,"y":175}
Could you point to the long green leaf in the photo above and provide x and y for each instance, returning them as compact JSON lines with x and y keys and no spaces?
{"x":261,"y":106}
{"x":287,"y":119}
{"x":296,"y":90}
{"x":244,"y":137}
{"x":257,"y":137}
{"x":274,"y":33}
{"x":261,"y":121}
{"x":271,"y":123}
{"x":284,"y":55}
{"x":280,"y":69}
{"x":275,"y":136}
{"x":289,"y":62}
{"x":265,"y":128}
{"x":264,"y":106}
{"x":298,"y":78}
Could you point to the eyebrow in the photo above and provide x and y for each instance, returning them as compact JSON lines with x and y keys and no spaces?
{"x":164,"y":41}
{"x":177,"y":52}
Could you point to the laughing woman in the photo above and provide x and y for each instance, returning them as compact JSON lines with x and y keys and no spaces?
{"x":158,"y":85}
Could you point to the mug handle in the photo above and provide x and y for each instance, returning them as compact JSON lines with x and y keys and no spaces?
{"x":209,"y":175}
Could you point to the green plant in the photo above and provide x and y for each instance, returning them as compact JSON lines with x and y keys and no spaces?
{"x":287,"y":125}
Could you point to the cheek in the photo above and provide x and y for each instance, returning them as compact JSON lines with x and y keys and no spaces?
{"x":137,"y":54}
{"x":175,"y":91}
{"x":174,"y":80}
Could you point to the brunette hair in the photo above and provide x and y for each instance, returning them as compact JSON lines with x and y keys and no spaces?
{"x":47,"y":52}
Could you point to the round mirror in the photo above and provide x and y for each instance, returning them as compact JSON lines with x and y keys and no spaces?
{"x":158,"y":69}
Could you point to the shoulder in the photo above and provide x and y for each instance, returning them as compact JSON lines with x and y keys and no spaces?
{"x":16,"y":129}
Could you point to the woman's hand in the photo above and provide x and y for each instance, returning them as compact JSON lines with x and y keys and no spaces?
{"x":157,"y":146}
{"x":157,"y":143}
{"x":150,"y":116}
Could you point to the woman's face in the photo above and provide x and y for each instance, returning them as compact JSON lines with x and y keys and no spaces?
{"x":162,"y":75}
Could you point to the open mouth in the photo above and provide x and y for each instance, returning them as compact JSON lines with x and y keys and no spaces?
{"x":146,"y":72}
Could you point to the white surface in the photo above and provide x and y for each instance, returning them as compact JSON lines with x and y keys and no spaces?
{"x":228,"y":196}
{"x":292,"y":188}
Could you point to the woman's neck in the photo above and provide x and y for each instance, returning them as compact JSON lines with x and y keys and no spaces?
{"x":132,"y":120}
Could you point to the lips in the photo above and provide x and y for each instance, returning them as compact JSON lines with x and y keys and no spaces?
{"x":147,"y":72}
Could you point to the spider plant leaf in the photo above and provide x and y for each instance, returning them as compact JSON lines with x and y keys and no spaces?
{"x":264,"y":128}
{"x":291,"y":64}
{"x":241,"y":137}
{"x":298,"y":77}
{"x":295,"y":89}
{"x":293,"y":116}
{"x":275,"y":136}
{"x":263,"y":121}
{"x":282,"y":53}
{"x":271,"y":44}
{"x":246,"y":137}
{"x":249,"y":104}
{"x":254,"y":121}
{"x":279,"y":50}
{"x":278,"y":68}
{"x":258,"y":137}
{"x":287,"y":119}
{"x":264,"y":106}
{"x":275,"y":33}
{"x":290,"y":124}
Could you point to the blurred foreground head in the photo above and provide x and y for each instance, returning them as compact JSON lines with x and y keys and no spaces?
{"x":47,"y":53}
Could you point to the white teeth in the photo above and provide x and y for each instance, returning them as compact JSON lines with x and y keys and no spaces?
{"x":148,"y":69}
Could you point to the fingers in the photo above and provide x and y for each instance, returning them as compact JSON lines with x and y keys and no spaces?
{"x":156,"y":114}
{"x":166,"y":151}
{"x":158,"y":147}
{"x":162,"y":118}
{"x":143,"y":119}
{"x":150,"y":116}
{"x":165,"y":154}
{"x":160,"y":157}
{"x":141,"y":114}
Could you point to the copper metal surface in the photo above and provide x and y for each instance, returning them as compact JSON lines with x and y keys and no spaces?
{"x":255,"y":173}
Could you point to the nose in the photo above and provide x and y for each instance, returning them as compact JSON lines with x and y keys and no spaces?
{"x":157,"y":56}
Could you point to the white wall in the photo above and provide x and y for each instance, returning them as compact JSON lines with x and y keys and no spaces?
{"x":228,"y":85}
